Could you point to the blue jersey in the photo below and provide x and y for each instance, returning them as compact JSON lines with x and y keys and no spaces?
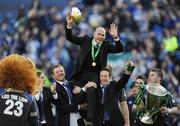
{"x":17,"y":109}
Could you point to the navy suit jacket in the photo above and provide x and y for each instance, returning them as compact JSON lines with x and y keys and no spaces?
{"x":63,"y":107}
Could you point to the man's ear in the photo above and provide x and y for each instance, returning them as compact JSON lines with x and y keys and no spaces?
{"x":159,"y":79}
{"x":94,"y":35}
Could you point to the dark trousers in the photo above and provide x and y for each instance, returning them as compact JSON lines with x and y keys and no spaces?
{"x":82,"y":80}
{"x":91,"y":103}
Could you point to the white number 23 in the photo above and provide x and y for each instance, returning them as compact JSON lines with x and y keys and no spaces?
{"x":9,"y":111}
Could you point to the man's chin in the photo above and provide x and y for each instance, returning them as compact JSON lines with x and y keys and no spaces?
{"x":152,"y":82}
{"x":60,"y":79}
{"x":100,"y":42}
{"x":104,"y":84}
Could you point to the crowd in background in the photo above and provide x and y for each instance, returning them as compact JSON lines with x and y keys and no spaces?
{"x":150,"y":30}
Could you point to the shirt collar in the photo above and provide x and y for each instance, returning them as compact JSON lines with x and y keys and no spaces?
{"x":61,"y":82}
{"x":103,"y":85}
{"x":95,"y":43}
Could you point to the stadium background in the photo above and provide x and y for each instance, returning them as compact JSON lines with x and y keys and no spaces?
{"x":150,"y":30}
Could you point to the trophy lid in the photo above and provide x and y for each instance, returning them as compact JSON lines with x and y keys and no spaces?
{"x":156,"y":89}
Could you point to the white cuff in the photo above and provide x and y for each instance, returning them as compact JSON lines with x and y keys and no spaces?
{"x":169,"y":110}
{"x":84,"y":89}
{"x":116,"y":39}
{"x":78,"y":107}
{"x":55,"y":96}
{"x":38,"y":95}
{"x":69,"y":27}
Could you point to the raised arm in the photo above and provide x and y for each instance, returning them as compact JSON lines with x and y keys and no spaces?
{"x":124,"y":79}
{"x":69,"y":36}
{"x":113,"y":31}
{"x":118,"y":47}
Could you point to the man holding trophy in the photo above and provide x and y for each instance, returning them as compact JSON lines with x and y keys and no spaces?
{"x":92,"y":57}
{"x":153,"y":102}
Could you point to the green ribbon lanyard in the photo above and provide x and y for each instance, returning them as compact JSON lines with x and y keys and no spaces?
{"x":94,"y":55}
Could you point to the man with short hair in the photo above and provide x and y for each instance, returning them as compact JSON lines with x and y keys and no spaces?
{"x":67,"y":110}
{"x":107,"y":109}
{"x":92,"y":58}
{"x":156,"y":76}
{"x":136,"y":85}
{"x":107,"y":105}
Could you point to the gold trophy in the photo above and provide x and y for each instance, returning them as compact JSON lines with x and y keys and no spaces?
{"x":76,"y":13}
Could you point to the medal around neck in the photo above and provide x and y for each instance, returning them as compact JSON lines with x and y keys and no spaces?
{"x":76,"y":13}
{"x":93,"y":64}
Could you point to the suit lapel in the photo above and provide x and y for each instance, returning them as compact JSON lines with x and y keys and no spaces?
{"x":99,"y":95}
{"x":62,"y":91}
{"x":86,"y":48}
{"x":89,"y":45}
{"x":45,"y":95}
{"x":102,"y":53}
{"x":107,"y":93}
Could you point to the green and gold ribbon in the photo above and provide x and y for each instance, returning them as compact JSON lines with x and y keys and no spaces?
{"x":94,"y":54}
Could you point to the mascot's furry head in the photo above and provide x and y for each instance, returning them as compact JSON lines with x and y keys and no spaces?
{"x":19,"y":73}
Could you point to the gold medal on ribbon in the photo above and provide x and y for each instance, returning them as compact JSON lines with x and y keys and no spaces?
{"x":93,"y":64}
{"x":94,"y":53}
